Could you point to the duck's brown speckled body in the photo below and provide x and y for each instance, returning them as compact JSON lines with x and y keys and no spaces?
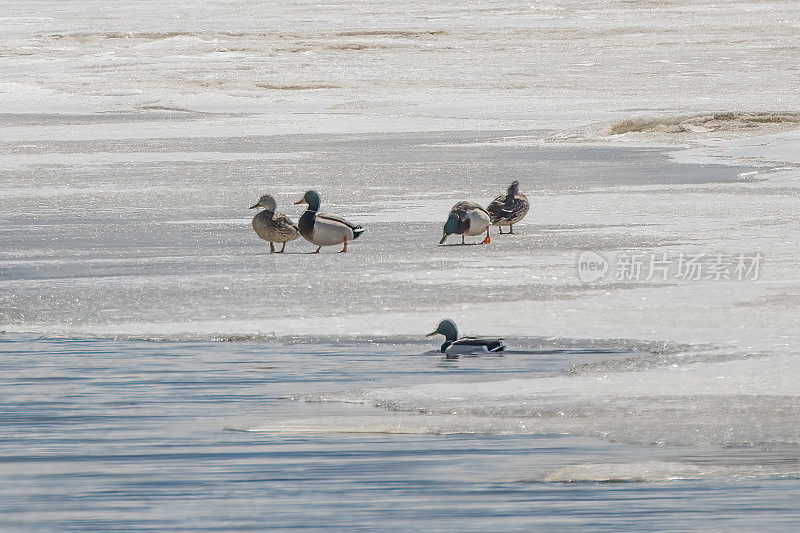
{"x":272,"y":226}
{"x":508,"y":209}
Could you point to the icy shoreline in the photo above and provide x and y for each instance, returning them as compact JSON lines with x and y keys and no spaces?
{"x":706,"y":217}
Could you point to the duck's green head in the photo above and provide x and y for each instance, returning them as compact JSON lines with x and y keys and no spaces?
{"x":311,"y":198}
{"x":447,"y":328}
{"x":450,"y":227}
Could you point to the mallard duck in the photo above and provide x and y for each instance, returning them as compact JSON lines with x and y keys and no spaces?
{"x":467,"y":218}
{"x":508,"y":209}
{"x":272,"y":226}
{"x":454,"y":346}
{"x":323,"y":229}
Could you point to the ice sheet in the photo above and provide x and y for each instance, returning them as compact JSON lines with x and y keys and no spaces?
{"x":135,"y":137}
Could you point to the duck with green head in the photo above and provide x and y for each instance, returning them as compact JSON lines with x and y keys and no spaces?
{"x":466,"y":218}
{"x":323,"y":229}
{"x":454,"y":346}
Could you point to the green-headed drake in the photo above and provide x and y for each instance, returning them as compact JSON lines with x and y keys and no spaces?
{"x":323,"y":229}
{"x":467,"y":218}
{"x":273,"y":226}
{"x":454,"y":346}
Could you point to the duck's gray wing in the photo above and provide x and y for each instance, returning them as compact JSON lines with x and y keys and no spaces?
{"x":461,"y":210}
{"x":357,"y":229}
{"x":491,"y":344}
{"x":337,"y":218}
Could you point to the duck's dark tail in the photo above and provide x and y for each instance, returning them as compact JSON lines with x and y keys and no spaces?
{"x":357,"y":231}
{"x":496,"y":346}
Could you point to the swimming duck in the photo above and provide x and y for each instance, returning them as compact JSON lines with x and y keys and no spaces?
{"x":323,"y":229}
{"x":454,"y":346}
{"x":272,"y":226}
{"x":508,"y":209}
{"x":467,"y":218}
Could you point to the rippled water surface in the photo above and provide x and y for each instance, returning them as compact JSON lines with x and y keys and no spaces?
{"x":111,"y":435}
